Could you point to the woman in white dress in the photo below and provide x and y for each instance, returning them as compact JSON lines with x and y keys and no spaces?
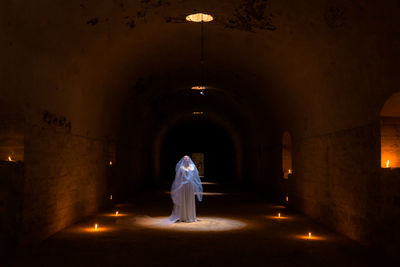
{"x":187,"y":182}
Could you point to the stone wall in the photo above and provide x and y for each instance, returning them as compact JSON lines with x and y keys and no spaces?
{"x":11,"y":138}
{"x":11,"y":201}
{"x":65,"y":180}
{"x":338,"y":182}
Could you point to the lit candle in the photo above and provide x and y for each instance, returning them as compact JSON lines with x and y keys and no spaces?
{"x":9,"y":158}
{"x":279,"y":215}
{"x":110,"y":163}
{"x":287,"y":198}
{"x":95,"y":227}
{"x":290,"y":171}
{"x":387,"y":164}
{"x":110,"y":197}
{"x":309,"y":235}
{"x":116,"y":213}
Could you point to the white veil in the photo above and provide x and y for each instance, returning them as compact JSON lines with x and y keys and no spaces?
{"x":182,"y":178}
{"x":185,"y":172}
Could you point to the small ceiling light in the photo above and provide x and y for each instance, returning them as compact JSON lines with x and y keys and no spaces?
{"x":199,"y":17}
{"x":199,"y":87}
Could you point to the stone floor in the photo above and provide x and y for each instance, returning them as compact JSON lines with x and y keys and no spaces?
{"x":234,"y":229}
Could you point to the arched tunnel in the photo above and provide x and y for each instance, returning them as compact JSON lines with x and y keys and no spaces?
{"x":297,"y":115}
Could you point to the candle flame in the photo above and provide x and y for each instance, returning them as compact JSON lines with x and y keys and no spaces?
{"x":387,"y":164}
{"x":116,"y":213}
{"x":9,"y":158}
{"x":95,"y":227}
{"x":290,"y":171}
{"x":279,"y":215}
{"x":287,"y":198}
{"x":110,"y":163}
{"x":309,"y":235}
{"x":110,"y":197}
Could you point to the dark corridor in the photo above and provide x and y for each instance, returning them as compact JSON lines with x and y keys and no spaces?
{"x":199,"y":135}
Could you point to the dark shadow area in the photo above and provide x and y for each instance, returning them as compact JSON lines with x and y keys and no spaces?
{"x":199,"y":135}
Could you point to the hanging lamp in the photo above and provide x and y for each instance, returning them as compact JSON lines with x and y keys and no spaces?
{"x":200,"y":18}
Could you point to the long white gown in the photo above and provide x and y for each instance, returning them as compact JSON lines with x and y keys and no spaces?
{"x":187,"y":182}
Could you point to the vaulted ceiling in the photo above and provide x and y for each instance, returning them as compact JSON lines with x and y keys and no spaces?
{"x":310,"y":67}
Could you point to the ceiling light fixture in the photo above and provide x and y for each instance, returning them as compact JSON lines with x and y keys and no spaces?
{"x":199,"y":87}
{"x":200,"y":17}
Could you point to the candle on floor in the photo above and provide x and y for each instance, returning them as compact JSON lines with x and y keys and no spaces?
{"x":95,"y":227}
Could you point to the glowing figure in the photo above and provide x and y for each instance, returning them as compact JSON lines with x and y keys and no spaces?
{"x":187,"y":182}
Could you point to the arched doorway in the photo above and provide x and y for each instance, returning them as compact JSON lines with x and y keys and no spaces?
{"x":201,"y":136}
{"x":390,"y":132}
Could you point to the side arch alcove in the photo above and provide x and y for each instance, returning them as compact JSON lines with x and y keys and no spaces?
{"x":390,"y":132}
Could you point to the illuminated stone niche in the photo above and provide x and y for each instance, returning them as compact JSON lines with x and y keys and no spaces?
{"x":390,"y":129}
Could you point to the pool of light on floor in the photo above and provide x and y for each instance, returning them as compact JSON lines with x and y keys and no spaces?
{"x":114,"y":215}
{"x":279,"y":218}
{"x":203,"y":224}
{"x":91,"y":229}
{"x":312,"y":238}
